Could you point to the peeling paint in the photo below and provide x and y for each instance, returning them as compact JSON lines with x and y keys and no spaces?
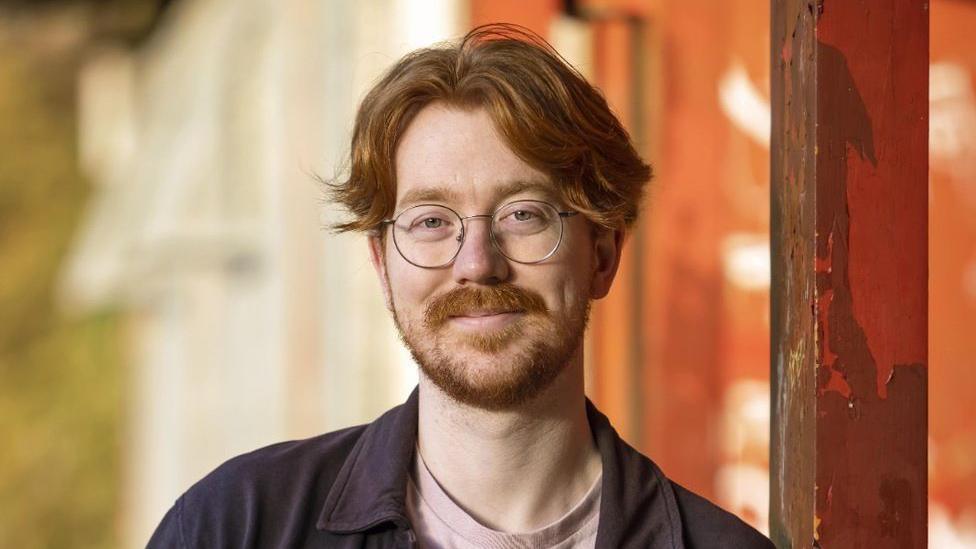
{"x":844,"y":131}
{"x":854,"y":415}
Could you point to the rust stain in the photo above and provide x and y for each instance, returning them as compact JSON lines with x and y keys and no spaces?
{"x":793,"y":310}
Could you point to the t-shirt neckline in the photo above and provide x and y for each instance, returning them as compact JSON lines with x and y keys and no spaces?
{"x":426,"y":487}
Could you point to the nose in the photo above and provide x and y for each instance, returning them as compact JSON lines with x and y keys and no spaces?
{"x":478,"y":260}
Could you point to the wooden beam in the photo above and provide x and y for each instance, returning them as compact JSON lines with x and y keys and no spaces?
{"x":849,"y":258}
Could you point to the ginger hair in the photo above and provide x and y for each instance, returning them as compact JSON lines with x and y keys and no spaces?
{"x":544,"y":109}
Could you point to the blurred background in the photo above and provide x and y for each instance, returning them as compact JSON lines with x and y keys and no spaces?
{"x":169,"y":296}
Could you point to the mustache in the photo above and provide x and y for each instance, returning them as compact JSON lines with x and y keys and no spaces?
{"x":463,"y":300}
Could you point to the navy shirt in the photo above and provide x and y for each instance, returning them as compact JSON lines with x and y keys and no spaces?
{"x":348,"y":489}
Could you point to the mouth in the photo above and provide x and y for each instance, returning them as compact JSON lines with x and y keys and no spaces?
{"x":478,"y":313}
{"x":485,"y":319}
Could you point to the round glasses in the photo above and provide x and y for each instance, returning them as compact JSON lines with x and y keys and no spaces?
{"x":525,"y":231}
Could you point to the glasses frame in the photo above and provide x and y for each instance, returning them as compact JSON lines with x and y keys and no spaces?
{"x":491,"y":219}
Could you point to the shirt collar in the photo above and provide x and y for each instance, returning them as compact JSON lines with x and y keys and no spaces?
{"x":372,"y":483}
{"x":638,"y":507}
{"x":637,"y":502}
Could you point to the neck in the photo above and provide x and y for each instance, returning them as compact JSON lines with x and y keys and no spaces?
{"x":514,"y":470}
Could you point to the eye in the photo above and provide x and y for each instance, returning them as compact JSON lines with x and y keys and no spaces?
{"x":523,"y":215}
{"x":524,"y":218}
{"x":430,"y":224}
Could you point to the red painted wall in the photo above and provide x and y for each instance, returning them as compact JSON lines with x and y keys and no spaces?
{"x":705,"y":338}
{"x":952,"y":261}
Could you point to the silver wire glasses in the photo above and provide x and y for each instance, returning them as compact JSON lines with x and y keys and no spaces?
{"x":524,"y":231}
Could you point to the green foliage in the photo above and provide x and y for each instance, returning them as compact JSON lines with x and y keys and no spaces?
{"x":60,"y":410}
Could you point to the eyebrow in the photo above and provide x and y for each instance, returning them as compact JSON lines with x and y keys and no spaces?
{"x":444,"y":194}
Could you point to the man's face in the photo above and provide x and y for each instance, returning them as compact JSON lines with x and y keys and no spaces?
{"x":488,"y":331}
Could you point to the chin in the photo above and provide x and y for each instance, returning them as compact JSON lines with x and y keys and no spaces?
{"x":497,"y":369}
{"x":494,"y":343}
{"x":498,"y":380}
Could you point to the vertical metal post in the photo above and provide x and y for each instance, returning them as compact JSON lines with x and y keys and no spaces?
{"x":849,"y":258}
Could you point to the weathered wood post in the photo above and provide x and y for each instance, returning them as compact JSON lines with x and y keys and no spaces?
{"x":849,"y":260}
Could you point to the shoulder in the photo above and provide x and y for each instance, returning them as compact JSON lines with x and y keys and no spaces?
{"x":285,"y":464}
{"x":284,"y":484}
{"x":642,"y":507}
{"x":705,"y":524}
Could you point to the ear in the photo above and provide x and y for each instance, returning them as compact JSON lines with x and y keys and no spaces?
{"x":607,"y":247}
{"x":377,"y":256}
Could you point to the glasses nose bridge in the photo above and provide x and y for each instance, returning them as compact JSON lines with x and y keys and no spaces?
{"x":489,"y":216}
{"x":464,"y":233}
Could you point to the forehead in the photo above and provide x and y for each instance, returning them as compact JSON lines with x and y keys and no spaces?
{"x":457,"y":155}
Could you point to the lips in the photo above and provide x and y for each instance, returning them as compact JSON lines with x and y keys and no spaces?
{"x":484,"y":320}
{"x":476,"y":314}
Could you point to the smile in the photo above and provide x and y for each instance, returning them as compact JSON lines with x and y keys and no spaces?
{"x":485,"y":320}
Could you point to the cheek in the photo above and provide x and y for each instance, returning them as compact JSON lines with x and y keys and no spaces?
{"x":575,"y":294}
{"x":579,"y":275}
{"x":563,"y":292}
{"x":410,"y":286}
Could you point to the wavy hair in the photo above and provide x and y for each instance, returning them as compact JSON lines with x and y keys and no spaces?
{"x":544,"y":109}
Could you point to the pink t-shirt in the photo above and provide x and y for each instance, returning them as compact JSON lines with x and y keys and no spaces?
{"x":439,"y":523}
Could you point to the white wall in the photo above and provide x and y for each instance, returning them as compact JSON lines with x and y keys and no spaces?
{"x":250,"y":323}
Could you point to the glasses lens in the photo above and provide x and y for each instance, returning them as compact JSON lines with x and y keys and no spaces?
{"x":427,"y":235}
{"x":527,"y":231}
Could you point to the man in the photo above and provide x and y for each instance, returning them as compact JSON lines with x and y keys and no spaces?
{"x":495,"y":187}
